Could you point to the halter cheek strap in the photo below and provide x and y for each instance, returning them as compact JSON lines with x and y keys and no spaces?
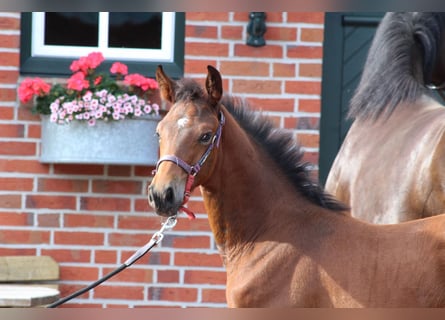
{"x":192,"y":170}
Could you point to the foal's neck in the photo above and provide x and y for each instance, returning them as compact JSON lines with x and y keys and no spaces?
{"x":247,"y":196}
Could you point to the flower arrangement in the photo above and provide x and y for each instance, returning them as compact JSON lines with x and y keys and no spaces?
{"x":89,"y":95}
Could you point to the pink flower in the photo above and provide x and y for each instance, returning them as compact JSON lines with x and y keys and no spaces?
{"x":30,"y":87}
{"x":94,"y":59}
{"x":140,"y":81}
{"x":97,"y":80}
{"x":77,"y":82}
{"x":120,"y":68}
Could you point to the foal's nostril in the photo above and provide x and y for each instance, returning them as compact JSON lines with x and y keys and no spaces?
{"x":169,"y":195}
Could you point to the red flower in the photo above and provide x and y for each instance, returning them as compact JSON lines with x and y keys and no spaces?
{"x":77,"y":82}
{"x":30,"y":87}
{"x":84,"y":64}
{"x":140,"y":81}
{"x":120,"y":68}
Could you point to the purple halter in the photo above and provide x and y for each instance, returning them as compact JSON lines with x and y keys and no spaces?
{"x":192,"y":170}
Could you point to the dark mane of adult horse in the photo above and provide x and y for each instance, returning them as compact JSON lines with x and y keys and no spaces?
{"x":389,"y":166}
{"x":284,"y":241}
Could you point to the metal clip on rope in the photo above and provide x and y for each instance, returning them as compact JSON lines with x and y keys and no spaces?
{"x":155,"y":239}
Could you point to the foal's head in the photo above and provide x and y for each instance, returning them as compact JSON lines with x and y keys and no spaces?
{"x":187,"y":135}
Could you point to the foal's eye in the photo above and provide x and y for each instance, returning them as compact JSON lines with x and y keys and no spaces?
{"x":157,"y":135}
{"x":205,"y":138}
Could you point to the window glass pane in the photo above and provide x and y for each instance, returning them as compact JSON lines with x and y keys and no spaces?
{"x":140,"y":30}
{"x":72,"y":28}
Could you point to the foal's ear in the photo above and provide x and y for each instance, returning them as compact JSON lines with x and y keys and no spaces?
{"x":166,"y":85}
{"x":214,"y":85}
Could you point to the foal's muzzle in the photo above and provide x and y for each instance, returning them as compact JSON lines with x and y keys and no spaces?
{"x":165,"y":201}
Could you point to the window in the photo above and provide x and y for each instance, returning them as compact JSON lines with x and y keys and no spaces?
{"x":50,"y":41}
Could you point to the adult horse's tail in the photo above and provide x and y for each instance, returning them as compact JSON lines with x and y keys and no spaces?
{"x":400,"y":62}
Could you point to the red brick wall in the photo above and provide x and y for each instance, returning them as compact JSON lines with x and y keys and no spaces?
{"x":91,"y":218}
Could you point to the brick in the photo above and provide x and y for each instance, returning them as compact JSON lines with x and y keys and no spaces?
{"x":79,"y":273}
{"x":199,"y":66}
{"x":309,"y":140}
{"x":50,"y":202}
{"x":173,"y":294}
{"x":10,"y":59}
{"x":62,"y":185}
{"x":83,"y":169}
{"x":67,"y":289}
{"x":68,"y":255}
{"x":16,"y":219}
{"x":190,"y":241}
{"x":167,"y":276}
{"x":119,"y":171}
{"x":141,"y":205}
{"x":34,"y":131}
{"x":17,"y":148}
{"x":197,"y":259}
{"x":78,"y":238}
{"x":241,"y":16}
{"x":119,"y":292}
{"x":307,"y":17}
{"x":6,"y":113}
{"x":8,"y":76}
{"x":149,"y":222}
{"x":16,"y":184}
{"x":104,"y":204}
{"x":48,"y":220}
{"x":256,"y":86}
{"x":306,"y":52}
{"x":24,"y":113}
{"x":9,"y":23}
{"x":196,"y":206}
{"x":10,"y":201}
{"x":203,"y":31}
{"x":303,"y":87}
{"x":88,"y":220}
{"x":284,"y":70}
{"x":214,"y":295}
{"x":245,"y":68}
{"x":23,"y":166}
{"x":207,"y":16}
{"x":280,"y":34}
{"x":311,"y":157}
{"x":131,"y":275}
{"x":18,"y":252}
{"x":269,"y":51}
{"x":117,"y":186}
{"x":278,"y":105}
{"x":144,"y":171}
{"x":274,"y":17}
{"x":125,"y":239}
{"x":205,"y":277}
{"x":311,"y":35}
{"x":309,"y":105}
{"x":312,"y":70}
{"x":10,"y":41}
{"x":207,"y":49}
{"x":155,"y":257}
{"x":302,"y":123}
{"x":24,"y":237}
{"x":105,"y":256}
{"x":232,"y":32}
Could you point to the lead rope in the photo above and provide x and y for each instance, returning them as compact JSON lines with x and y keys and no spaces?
{"x":155,"y":239}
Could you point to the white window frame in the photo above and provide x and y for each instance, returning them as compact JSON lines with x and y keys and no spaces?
{"x":165,"y":54}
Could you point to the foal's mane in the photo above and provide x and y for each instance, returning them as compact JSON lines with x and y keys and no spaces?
{"x":281,"y":146}
{"x":399,"y":64}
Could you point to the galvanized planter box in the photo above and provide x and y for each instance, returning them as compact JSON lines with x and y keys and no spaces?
{"x":123,"y":142}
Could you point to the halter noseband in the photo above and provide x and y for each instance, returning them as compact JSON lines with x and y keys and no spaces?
{"x":192,"y":170}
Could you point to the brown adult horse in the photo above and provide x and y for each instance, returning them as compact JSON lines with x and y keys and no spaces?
{"x":283,"y":240}
{"x":391,"y":165}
